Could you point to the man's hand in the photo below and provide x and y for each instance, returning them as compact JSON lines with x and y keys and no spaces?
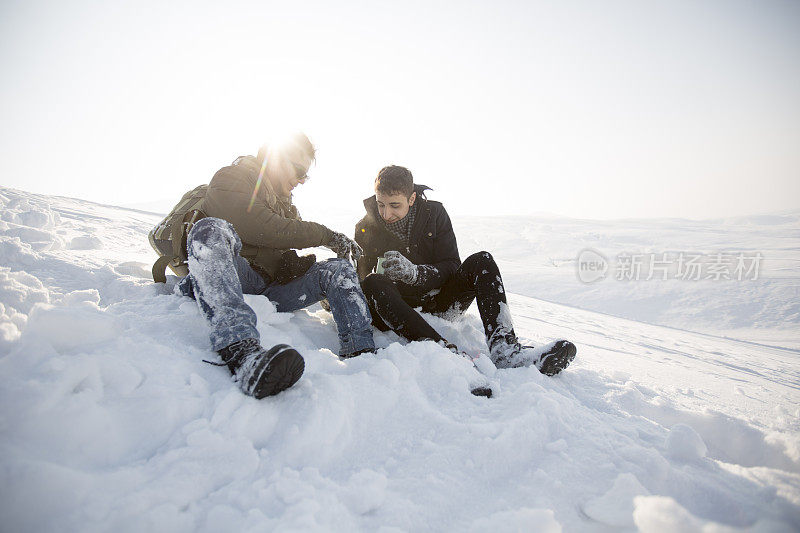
{"x":399,"y":268}
{"x":344,"y":247}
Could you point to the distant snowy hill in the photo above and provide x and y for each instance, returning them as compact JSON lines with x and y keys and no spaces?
{"x":538,"y":258}
{"x":109,"y":419}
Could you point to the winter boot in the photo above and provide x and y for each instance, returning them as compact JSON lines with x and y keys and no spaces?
{"x":550,"y":359}
{"x":262,"y":373}
{"x":503,"y":347}
{"x":554,"y":357}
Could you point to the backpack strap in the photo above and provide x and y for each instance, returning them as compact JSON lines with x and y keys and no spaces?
{"x":168,"y":239}
{"x":160,"y":269}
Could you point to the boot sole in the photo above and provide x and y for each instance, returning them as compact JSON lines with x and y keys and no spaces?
{"x":563,"y":354}
{"x":283,"y":371}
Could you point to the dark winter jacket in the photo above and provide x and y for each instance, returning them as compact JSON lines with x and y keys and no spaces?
{"x":270,"y":226}
{"x":432,"y":244}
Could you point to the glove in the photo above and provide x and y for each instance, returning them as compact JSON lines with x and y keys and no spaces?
{"x":292,"y":267}
{"x":399,"y":268}
{"x":344,"y":247}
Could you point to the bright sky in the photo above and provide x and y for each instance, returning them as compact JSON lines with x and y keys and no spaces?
{"x":581,"y":108}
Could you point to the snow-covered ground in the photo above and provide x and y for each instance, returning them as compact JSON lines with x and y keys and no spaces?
{"x":109,"y":419}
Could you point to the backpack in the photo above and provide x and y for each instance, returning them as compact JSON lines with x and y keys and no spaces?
{"x":168,"y":238}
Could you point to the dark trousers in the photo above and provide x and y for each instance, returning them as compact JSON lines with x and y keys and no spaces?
{"x":477,"y":278}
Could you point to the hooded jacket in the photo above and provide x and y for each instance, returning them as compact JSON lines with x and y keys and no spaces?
{"x":432,"y":244}
{"x":270,"y":226}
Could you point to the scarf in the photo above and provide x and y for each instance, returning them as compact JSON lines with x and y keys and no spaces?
{"x":402,"y":228}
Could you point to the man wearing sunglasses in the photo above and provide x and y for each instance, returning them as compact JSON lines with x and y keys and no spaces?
{"x":411,"y":260}
{"x":240,"y":233}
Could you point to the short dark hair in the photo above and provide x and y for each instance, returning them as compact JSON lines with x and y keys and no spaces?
{"x":296,"y":141}
{"x":393,"y":180}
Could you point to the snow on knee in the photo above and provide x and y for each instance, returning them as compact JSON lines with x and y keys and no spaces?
{"x":615,"y":507}
{"x":684,"y":444}
{"x":524,"y":519}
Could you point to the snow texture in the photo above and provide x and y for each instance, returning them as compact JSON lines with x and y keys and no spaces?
{"x":110,"y":421}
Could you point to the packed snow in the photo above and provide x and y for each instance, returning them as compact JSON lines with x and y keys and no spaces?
{"x":109,"y":419}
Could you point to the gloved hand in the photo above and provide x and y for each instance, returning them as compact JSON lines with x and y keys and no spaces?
{"x":344,"y":247}
{"x":399,"y":268}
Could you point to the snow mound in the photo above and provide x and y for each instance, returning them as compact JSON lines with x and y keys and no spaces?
{"x":110,"y":420}
{"x":683,"y":443}
{"x":655,"y":514}
{"x":70,"y":327}
{"x":85,"y":242}
{"x":616,"y":506}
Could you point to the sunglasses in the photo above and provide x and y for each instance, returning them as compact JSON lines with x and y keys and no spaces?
{"x":302,"y":173}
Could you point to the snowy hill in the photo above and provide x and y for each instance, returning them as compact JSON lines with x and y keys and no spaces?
{"x":539,"y":256}
{"x":109,"y":419}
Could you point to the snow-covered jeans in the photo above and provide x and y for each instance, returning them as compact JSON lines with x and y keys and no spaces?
{"x":219,"y":276}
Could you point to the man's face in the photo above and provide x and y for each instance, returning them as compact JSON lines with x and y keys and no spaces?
{"x":395,"y":206}
{"x":287,"y":171}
